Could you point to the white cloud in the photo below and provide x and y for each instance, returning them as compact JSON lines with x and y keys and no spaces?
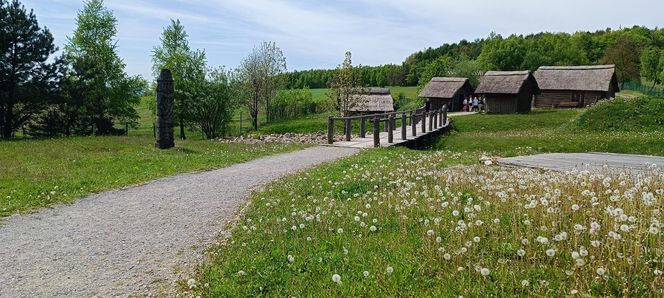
{"x":316,"y":33}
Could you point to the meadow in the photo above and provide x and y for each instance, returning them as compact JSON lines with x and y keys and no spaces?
{"x":395,"y":222}
{"x":39,"y":173}
{"x":400,"y":222}
{"x":43,"y":172}
{"x":603,"y":128}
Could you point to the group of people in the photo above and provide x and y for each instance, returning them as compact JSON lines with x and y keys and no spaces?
{"x":473,"y":104}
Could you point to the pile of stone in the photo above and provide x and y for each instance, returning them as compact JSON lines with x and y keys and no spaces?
{"x":287,"y":138}
{"x":488,"y":160}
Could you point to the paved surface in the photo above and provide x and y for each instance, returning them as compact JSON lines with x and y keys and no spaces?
{"x":133,"y":240}
{"x":590,"y":161}
{"x":368,"y":142}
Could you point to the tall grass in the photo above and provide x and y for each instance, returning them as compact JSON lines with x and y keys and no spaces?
{"x":396,"y":223}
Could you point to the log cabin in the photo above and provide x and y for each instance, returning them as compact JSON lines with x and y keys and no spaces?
{"x":575,"y":86}
{"x":507,"y":91}
{"x":446,"y":91}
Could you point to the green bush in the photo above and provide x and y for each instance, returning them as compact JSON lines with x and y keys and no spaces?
{"x":296,"y":103}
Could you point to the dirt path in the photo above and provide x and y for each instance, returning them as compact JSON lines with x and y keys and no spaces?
{"x":133,"y":240}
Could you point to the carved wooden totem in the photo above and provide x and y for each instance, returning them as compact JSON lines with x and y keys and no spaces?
{"x":165,"y":90}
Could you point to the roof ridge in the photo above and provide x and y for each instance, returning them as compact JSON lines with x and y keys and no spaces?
{"x":507,"y":73}
{"x":448,"y":79}
{"x":578,"y":67}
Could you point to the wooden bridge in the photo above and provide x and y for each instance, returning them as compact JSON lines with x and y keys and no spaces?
{"x":389,"y":129}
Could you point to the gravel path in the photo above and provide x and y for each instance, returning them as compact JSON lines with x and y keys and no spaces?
{"x":135,"y":240}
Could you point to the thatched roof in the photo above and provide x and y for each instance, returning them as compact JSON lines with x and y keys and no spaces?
{"x":443,"y":87}
{"x":374,"y":100}
{"x":503,"y":82}
{"x":577,"y":78}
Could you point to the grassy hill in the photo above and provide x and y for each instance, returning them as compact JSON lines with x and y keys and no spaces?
{"x":637,"y":114}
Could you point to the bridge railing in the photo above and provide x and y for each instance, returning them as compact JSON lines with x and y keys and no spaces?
{"x":436,"y":118}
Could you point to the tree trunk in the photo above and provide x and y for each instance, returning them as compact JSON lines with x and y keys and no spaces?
{"x":254,"y":120}
{"x":182,"y":135}
{"x":7,"y":125}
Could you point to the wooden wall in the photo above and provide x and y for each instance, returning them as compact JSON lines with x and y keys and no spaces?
{"x":454,"y":104}
{"x":509,"y":103}
{"x":437,"y":103}
{"x":554,"y":98}
{"x":501,"y":103}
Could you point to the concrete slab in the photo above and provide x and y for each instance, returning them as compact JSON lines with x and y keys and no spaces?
{"x":585,"y":161}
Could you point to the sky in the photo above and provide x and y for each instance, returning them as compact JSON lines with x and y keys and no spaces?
{"x":317,"y":33}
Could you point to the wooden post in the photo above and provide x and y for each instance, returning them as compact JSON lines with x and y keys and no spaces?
{"x":390,"y":129}
{"x":430,"y":121}
{"x":348,"y":129}
{"x":165,"y":135}
{"x":363,"y":130}
{"x":445,"y":115}
{"x":403,"y":126}
{"x":387,"y":125}
{"x":413,"y":123}
{"x":440,"y":117}
{"x":376,"y":132}
{"x":435,"y":119}
{"x":424,"y":121}
{"x":330,"y":130}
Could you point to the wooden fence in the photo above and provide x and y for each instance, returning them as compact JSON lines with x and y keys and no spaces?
{"x":413,"y":118}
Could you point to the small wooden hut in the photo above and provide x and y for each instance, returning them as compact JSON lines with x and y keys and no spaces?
{"x":575,"y":86}
{"x":373,"y":101}
{"x":447,"y":91}
{"x":507,"y":91}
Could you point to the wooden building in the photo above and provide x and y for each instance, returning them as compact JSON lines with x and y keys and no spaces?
{"x":575,"y":86}
{"x":372,"y":101}
{"x":447,"y":91}
{"x":507,"y":91}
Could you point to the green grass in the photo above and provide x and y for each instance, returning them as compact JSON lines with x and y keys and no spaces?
{"x":640,"y":114}
{"x":408,"y":92}
{"x":42,"y":172}
{"x":38,"y":173}
{"x":318,"y":123}
{"x":405,"y":192}
{"x":308,"y":124}
{"x":322,"y":219}
{"x":544,"y":131}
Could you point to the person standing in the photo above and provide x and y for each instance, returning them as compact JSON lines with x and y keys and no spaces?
{"x":465,"y":104}
{"x":476,"y":104}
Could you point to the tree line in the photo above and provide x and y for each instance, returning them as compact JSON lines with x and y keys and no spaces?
{"x":83,"y":91}
{"x":637,"y":52}
{"x":86,"y":91}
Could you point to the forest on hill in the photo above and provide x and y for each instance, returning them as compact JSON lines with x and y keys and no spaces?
{"x":637,"y":52}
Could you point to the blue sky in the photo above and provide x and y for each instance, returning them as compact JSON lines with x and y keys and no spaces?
{"x":316,"y":33}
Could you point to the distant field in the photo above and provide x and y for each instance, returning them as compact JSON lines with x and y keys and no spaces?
{"x":409,"y":92}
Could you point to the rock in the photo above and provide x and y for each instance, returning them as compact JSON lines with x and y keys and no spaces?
{"x":287,"y":138}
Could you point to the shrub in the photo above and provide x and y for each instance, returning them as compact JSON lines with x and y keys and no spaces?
{"x":296,"y":103}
